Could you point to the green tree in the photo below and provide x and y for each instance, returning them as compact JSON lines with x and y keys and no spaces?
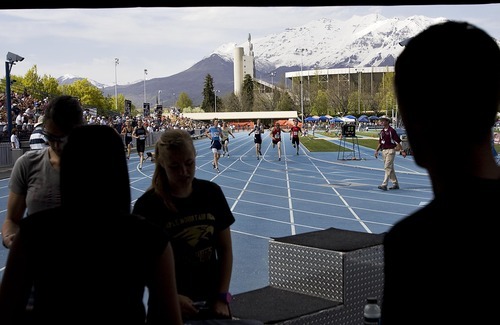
{"x":208,"y":104}
{"x":320,"y":106}
{"x":352,"y":104}
{"x":91,"y":96}
{"x":50,"y":87}
{"x":232,"y":103}
{"x":385,"y":96}
{"x":286,"y":103}
{"x":247,"y":94}
{"x":184,"y":101}
{"x":192,"y":110}
{"x":33,"y":83}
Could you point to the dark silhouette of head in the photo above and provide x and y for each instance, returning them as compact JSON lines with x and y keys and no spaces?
{"x":448,"y":71}
{"x":94,"y":173}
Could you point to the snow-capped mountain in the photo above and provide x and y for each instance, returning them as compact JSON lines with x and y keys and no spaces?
{"x":361,"y":41}
{"x":68,"y":79}
{"x":371,"y":40}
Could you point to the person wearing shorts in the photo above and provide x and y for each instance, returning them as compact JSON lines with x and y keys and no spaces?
{"x":140,"y":133}
{"x":276,"y":138}
{"x":214,"y":134}
{"x":294,"y":135}
{"x":226,"y":132}
{"x":127,"y":135}
{"x":258,"y":130}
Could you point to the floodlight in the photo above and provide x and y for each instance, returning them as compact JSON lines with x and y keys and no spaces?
{"x":12,"y":57}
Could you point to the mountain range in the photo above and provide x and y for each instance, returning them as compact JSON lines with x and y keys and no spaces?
{"x":361,"y":41}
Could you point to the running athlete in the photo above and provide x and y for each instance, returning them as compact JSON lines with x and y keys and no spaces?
{"x":127,"y":133}
{"x":214,"y":134}
{"x":294,"y":134}
{"x":276,"y":136}
{"x":140,"y":133}
{"x":258,"y":130}
{"x":226,"y":131}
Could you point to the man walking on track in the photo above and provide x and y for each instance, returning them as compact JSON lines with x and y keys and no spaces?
{"x":389,"y":142}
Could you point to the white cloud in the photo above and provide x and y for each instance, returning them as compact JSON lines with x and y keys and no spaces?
{"x":84,"y":42}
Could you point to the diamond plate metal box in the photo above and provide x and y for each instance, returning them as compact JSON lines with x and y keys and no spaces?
{"x":333,"y":264}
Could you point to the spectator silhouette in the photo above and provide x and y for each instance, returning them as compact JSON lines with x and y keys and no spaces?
{"x":439,"y":260}
{"x":90,"y":260}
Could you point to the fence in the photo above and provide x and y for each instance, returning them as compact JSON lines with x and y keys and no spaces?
{"x":9,"y":157}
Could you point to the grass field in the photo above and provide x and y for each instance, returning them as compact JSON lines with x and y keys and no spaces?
{"x":365,"y":139}
{"x":315,"y":144}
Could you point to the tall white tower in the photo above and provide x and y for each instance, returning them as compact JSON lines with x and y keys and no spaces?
{"x":243,"y":65}
{"x":238,"y":70}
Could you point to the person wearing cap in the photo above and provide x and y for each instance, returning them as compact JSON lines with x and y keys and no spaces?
{"x":389,"y":143}
{"x":37,"y":138}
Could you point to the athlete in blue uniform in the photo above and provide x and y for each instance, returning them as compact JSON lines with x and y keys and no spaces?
{"x":214,"y":133}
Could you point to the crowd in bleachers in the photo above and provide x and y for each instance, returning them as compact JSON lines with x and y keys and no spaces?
{"x":26,"y":110}
{"x":25,"y":113}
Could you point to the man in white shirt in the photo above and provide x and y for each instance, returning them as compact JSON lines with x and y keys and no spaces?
{"x":14,"y":140}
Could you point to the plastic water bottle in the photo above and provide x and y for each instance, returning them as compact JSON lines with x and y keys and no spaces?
{"x":371,"y":312}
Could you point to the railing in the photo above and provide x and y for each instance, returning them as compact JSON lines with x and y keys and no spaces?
{"x":7,"y":160}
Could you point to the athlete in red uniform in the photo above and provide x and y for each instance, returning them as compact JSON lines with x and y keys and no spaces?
{"x":294,"y":134}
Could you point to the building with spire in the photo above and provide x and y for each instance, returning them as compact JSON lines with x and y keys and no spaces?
{"x":243,"y":65}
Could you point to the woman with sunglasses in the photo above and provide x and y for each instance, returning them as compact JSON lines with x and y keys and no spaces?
{"x":34,"y":181}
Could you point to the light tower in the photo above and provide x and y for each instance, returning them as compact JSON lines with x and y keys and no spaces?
{"x":117,"y":61}
{"x":301,"y":83}
{"x":12,"y":58}
{"x":145,"y":74}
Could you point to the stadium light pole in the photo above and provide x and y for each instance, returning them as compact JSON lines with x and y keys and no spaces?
{"x":11,"y":59}
{"x":159,"y":94}
{"x":145,"y":74}
{"x":272,"y":79}
{"x":359,"y":89}
{"x":117,"y":61}
{"x":215,"y":93}
{"x":301,"y":84}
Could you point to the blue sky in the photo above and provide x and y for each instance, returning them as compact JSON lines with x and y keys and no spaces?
{"x":166,"y":41}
